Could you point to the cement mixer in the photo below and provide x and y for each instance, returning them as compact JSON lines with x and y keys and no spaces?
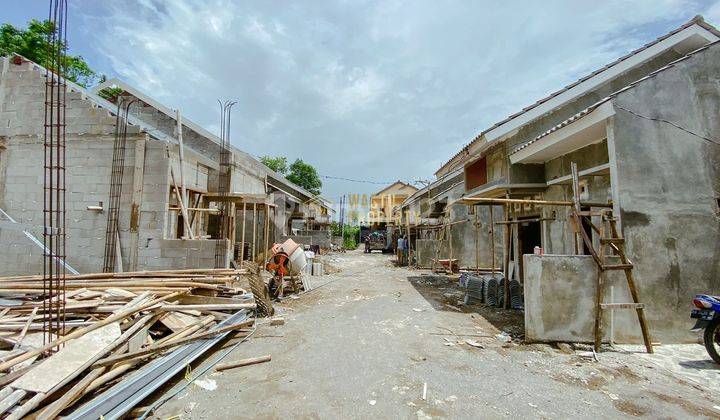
{"x":286,"y":260}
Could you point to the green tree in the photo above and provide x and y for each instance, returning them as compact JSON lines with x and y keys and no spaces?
{"x":32,"y":43}
{"x":305,"y":175}
{"x":278,"y":164}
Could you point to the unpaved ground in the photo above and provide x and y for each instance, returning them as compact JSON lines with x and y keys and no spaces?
{"x":366,"y":343}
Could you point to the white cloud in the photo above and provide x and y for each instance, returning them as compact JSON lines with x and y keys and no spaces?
{"x":380,"y":90}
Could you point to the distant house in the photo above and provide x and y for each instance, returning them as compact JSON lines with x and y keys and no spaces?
{"x":384,"y":203}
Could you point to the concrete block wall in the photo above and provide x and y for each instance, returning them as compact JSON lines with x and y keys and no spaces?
{"x":89,"y":135}
{"x":89,"y":164}
{"x":560,"y":301}
{"x":181,"y":254}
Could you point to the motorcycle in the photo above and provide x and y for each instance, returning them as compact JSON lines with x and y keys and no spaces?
{"x":708,"y":318}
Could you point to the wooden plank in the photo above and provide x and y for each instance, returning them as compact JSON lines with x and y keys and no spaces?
{"x":177,"y":321}
{"x":53,"y":370}
{"x":82,"y":331}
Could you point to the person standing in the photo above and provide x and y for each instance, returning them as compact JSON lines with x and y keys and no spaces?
{"x":400,"y":249}
{"x":406,"y":250}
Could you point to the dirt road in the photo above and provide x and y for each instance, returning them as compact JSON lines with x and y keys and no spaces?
{"x":387,"y":342}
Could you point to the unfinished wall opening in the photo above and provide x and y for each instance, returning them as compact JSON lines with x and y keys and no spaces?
{"x":588,"y":230}
{"x":180,"y":227}
{"x":529,"y":237}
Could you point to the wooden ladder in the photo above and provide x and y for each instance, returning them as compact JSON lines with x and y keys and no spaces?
{"x":617,"y":244}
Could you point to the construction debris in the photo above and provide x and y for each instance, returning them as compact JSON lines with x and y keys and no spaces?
{"x":119,"y":328}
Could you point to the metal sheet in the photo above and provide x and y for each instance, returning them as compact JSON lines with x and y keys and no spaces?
{"x":121,"y":398}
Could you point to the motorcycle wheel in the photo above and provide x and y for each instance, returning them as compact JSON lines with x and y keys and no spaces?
{"x":712,"y":339}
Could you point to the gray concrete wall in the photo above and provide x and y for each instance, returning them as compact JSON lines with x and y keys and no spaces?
{"x":183,"y":253}
{"x":88,"y":165}
{"x":426,"y":250}
{"x":560,"y":300}
{"x":668,"y":188}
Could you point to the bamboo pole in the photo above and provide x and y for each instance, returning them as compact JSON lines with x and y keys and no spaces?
{"x":242,"y":243}
{"x":266,"y":233}
{"x":480,"y":200}
{"x":254,"y":231}
{"x":477,"y":241}
{"x":181,"y":154}
{"x":183,"y":209}
{"x":492,"y":238}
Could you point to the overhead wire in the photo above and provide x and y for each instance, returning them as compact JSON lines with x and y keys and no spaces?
{"x":707,"y":139}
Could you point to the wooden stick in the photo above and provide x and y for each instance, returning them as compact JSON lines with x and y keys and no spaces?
{"x":243,"y":362}
{"x":82,"y":331}
{"x":25,"y":329}
{"x":156,"y":348}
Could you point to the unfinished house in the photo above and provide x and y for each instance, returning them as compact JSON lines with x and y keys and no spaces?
{"x":627,"y":127}
{"x":125,"y":178}
{"x":441,"y":228}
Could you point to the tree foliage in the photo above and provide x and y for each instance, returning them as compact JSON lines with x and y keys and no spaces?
{"x":299,"y":173}
{"x":32,"y":43}
{"x":305,"y":175}
{"x":278,"y":164}
{"x":351,"y":234}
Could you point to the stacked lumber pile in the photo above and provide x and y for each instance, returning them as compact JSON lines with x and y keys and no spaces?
{"x":115,"y":324}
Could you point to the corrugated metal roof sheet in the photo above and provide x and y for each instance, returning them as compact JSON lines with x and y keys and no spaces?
{"x":594,"y":106}
{"x":697,"y":20}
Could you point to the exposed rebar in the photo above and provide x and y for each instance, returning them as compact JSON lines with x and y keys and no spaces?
{"x":54,"y":144}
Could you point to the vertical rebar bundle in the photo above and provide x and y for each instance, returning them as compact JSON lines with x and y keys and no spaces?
{"x":54,"y":176}
{"x":221,"y":251}
{"x":116,"y":178}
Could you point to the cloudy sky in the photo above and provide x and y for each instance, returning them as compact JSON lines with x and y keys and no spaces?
{"x":366,"y":90}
